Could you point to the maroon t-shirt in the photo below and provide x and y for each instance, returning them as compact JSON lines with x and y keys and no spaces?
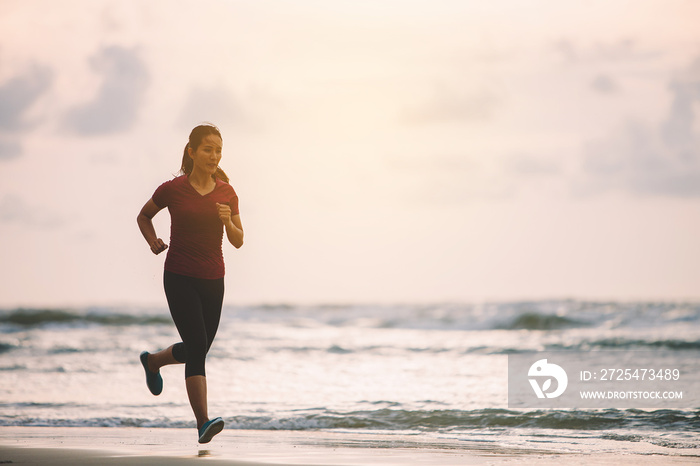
{"x":196,"y":232}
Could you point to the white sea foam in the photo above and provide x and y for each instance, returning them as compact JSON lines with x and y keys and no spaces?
{"x":410,"y":368}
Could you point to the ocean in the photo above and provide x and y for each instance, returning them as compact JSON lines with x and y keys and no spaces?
{"x":433,"y":372}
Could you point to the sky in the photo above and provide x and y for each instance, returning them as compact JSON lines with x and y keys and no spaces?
{"x":383,"y":151}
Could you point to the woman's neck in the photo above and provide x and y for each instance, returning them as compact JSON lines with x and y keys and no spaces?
{"x":200,"y":179}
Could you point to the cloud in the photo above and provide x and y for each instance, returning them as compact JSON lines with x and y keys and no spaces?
{"x":619,"y":51}
{"x":652,"y":160}
{"x":215,"y":104}
{"x":19,"y":93}
{"x":450,"y":104}
{"x":677,"y":130}
{"x":566,"y":49}
{"x":13,"y":209}
{"x":604,"y":84}
{"x":526,"y":165}
{"x":17,"y":96}
{"x":120,"y":96}
{"x":9,"y":149}
{"x":448,"y":179}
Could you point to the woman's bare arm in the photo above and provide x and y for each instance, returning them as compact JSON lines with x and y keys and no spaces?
{"x":145,"y":222}
{"x":234,"y":229}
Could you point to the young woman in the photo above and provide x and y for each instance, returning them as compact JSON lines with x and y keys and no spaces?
{"x":202,"y":205}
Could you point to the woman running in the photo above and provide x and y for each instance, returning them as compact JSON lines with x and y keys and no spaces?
{"x":202,"y":205}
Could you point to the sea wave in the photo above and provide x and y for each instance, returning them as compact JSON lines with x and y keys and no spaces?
{"x":5,"y":347}
{"x":596,"y":345}
{"x":441,"y":420}
{"x":534,"y":321}
{"x":515,"y":316}
{"x":628,"y":343}
{"x":40,"y":317}
{"x":583,"y":345}
{"x":543,"y":315}
{"x":386,"y":419}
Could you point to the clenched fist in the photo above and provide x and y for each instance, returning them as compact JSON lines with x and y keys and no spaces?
{"x":224,"y":213}
{"x":158,"y":246}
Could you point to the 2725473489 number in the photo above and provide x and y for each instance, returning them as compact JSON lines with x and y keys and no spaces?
{"x":639,"y":374}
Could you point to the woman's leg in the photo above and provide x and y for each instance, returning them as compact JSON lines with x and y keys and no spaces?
{"x":211,"y":293}
{"x":163,"y":358}
{"x":197,"y":394}
{"x":187,"y":298}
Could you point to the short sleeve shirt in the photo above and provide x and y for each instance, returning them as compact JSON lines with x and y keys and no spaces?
{"x":196,"y":232}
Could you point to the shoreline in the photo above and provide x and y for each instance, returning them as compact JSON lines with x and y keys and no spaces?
{"x":149,"y":446}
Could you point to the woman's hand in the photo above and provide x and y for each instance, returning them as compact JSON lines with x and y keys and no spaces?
{"x":224,"y":213}
{"x":234,"y":230}
{"x":158,"y":246}
{"x":145,"y":222}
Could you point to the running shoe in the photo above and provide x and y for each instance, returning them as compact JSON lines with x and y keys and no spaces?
{"x":210,"y":429}
{"x":153,"y":379}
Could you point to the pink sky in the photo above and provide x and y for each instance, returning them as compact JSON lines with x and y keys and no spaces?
{"x":382,"y":151}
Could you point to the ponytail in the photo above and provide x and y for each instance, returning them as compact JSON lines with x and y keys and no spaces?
{"x":196,"y":136}
{"x":220,"y":174}
{"x":187,"y":162}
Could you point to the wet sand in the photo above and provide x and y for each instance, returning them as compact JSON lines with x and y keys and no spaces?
{"x":143,"y":446}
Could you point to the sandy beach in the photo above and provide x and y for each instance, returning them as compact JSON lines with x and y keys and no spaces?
{"x":142,"y":446}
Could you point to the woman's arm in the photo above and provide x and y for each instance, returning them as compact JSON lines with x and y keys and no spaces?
{"x":145,"y":222}
{"x":234,"y":229}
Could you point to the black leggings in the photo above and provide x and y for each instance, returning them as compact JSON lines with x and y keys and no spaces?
{"x":195,"y":305}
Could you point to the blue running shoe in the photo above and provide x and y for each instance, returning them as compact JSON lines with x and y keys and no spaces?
{"x":210,"y":429}
{"x":153,"y":379}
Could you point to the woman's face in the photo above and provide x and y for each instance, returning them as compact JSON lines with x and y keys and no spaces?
{"x":208,"y":154}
